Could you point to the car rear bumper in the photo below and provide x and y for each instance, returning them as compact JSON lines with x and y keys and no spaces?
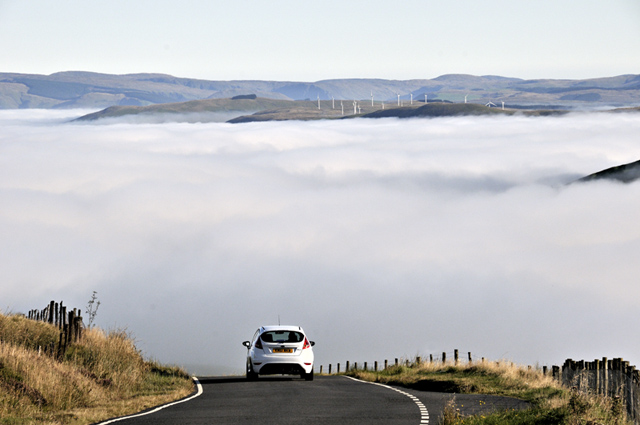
{"x":285,"y":367}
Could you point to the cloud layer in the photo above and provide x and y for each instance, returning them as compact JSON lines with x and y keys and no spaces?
{"x":382,"y":238}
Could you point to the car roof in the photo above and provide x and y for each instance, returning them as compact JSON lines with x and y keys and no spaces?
{"x":281,"y":328}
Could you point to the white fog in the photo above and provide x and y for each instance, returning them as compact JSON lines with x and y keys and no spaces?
{"x":381,"y":238}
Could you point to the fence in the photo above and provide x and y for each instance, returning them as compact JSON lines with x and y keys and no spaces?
{"x":69,"y":323}
{"x":613,"y":378}
{"x":402,"y":362}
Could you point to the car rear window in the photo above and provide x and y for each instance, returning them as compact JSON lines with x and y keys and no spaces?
{"x":282,"y":336}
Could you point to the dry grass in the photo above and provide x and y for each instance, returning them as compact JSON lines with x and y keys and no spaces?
{"x":101,"y":376}
{"x":551,"y":402}
{"x":499,"y":378}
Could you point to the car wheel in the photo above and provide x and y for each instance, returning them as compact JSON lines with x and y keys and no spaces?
{"x":251,"y":375}
{"x":308,"y":376}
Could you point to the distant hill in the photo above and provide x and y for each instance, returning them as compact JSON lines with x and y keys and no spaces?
{"x":250,"y":108}
{"x":78,"y":89}
{"x":438,"y":109}
{"x":625,"y":173}
{"x":194,"y":110}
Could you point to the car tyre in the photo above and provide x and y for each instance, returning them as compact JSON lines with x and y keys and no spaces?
{"x":308,"y":376}
{"x":251,"y":375}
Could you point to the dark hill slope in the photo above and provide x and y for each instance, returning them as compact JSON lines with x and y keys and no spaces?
{"x":438,"y":110}
{"x":454,"y":110}
{"x":625,"y":173}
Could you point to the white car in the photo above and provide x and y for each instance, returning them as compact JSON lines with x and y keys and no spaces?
{"x":279,"y":350}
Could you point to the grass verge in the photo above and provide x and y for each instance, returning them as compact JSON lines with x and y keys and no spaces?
{"x":551,"y":402}
{"x":101,"y":376}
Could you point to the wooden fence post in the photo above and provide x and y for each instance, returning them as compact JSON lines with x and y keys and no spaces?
{"x":470,"y":360}
{"x":78,"y":328}
{"x":604,"y":376}
{"x":61,"y":314}
{"x":455,"y":356}
{"x":444,"y":357}
{"x":329,"y":368}
{"x":70,"y":330}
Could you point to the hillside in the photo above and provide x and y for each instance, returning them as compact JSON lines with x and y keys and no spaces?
{"x":438,"y":109}
{"x":195,"y":110}
{"x":547,"y":400}
{"x":101,"y":375}
{"x":625,"y":173}
{"x":93,"y":90}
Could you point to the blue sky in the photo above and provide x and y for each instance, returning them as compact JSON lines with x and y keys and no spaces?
{"x":310,"y":41}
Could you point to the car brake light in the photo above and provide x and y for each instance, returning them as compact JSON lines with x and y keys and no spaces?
{"x":306,"y":344}
{"x":258,"y":344}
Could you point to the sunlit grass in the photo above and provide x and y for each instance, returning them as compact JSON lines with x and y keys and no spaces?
{"x":551,"y":402}
{"x":101,"y":376}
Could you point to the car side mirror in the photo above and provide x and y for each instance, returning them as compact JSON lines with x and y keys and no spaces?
{"x":312,"y":343}
{"x":246,"y":344}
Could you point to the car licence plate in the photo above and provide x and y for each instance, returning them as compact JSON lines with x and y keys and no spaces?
{"x":283,"y":350}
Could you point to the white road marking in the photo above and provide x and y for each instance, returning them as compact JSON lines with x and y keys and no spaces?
{"x":424,"y":413}
{"x":198,"y":386}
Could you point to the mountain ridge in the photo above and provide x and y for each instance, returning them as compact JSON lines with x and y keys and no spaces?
{"x":83,"y":89}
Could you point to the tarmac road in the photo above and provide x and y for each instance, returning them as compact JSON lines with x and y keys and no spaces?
{"x":326,"y":400}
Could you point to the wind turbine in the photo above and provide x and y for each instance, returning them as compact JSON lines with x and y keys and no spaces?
{"x":398,"y":98}
{"x":490,"y":104}
{"x":503,"y":105}
{"x":412,"y":98}
{"x":342,"y":107}
{"x":425,"y":99}
{"x":333,"y":103}
{"x":318,"y":101}
{"x":371,"y":98}
{"x":355,"y":107}
{"x":465,"y":98}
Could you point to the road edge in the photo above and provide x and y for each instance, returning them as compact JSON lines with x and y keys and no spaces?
{"x":424,"y":413}
{"x":199,"y":391}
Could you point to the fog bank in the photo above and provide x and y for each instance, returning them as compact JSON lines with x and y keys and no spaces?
{"x":382,"y":238}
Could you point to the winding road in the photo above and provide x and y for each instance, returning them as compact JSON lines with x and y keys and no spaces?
{"x":326,"y":400}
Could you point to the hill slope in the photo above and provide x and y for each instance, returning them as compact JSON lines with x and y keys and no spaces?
{"x":625,"y":173}
{"x":195,"y":110}
{"x":438,"y":109}
{"x":102,"y":375}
